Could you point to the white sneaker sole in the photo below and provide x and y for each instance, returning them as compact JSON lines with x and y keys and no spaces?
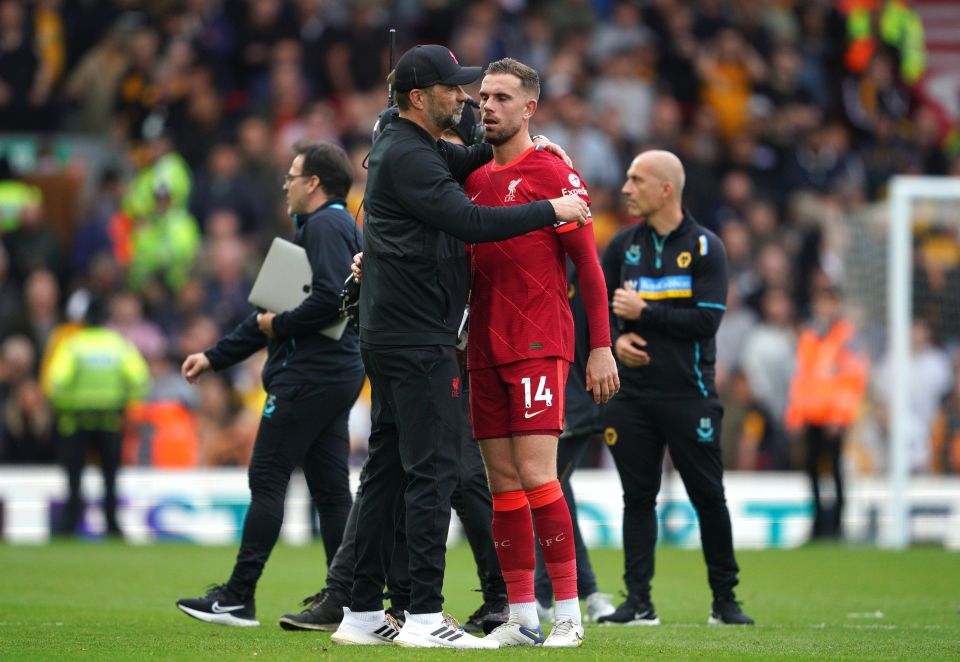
{"x":352,"y":637}
{"x":713,"y":620}
{"x":420,"y":642}
{"x":290,"y":624}
{"x":633,"y":624}
{"x":566,"y":644}
{"x":219,"y":619}
{"x":512,"y":638}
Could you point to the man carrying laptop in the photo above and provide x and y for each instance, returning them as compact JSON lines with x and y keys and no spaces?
{"x":312,"y":377}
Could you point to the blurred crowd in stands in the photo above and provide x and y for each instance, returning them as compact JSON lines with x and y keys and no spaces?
{"x":143,"y":143}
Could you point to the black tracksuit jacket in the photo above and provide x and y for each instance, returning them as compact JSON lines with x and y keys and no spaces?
{"x":417,"y":221}
{"x":298,"y":354}
{"x":683,"y":278}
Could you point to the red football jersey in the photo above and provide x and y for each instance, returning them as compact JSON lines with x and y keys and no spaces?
{"x":518,"y":298}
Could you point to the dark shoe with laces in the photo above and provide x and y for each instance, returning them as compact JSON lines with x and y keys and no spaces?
{"x":491,"y":615}
{"x":634,"y":611}
{"x":324,"y":611}
{"x":727,"y":612}
{"x":221,"y":606}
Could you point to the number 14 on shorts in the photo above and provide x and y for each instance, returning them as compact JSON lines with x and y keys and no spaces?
{"x":543,"y":393}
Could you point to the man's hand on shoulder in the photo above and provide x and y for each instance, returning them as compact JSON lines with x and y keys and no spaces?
{"x":542,"y":142}
{"x":570,"y":208}
{"x":628,"y":349}
{"x":602,"y":377}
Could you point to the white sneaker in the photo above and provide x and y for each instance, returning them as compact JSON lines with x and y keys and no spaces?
{"x":544,"y":612}
{"x":353,"y":631}
{"x":597,"y":605}
{"x":445,"y":632}
{"x":512,"y":633}
{"x":567,"y":633}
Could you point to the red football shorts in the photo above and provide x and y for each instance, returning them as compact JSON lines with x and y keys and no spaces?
{"x":525,"y":397}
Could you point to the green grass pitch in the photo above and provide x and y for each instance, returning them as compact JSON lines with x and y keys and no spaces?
{"x":108,"y":601}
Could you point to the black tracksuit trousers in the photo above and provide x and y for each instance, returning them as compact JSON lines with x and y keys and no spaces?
{"x":74,"y":448}
{"x":304,"y":425}
{"x":640,"y":431}
{"x":473,"y":505}
{"x":414,"y":462}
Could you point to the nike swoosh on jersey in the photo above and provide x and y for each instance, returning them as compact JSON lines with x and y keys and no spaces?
{"x":475,"y":196}
{"x":217,"y":609}
{"x":532,"y":414}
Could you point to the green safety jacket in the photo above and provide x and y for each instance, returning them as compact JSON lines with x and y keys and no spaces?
{"x":900,"y":27}
{"x":14,"y":196}
{"x":169,"y":172}
{"x":94,"y":374}
{"x":164,"y":245}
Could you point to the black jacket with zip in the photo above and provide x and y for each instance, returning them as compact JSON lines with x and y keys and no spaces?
{"x":417,"y":221}
{"x":682,"y":276}
{"x":298,"y":354}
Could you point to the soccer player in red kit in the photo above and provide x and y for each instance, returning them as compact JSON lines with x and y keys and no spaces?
{"x":519,"y":352}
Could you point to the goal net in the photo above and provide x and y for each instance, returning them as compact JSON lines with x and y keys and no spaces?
{"x":899,"y":265}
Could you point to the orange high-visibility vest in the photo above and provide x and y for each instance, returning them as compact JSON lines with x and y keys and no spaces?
{"x":830,"y":379}
{"x":172,"y":430}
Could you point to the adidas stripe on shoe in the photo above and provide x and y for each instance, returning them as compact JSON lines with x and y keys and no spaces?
{"x":444,"y":632}
{"x":357,"y":631}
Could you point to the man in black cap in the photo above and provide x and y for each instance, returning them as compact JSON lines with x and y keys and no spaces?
{"x":411,"y":306}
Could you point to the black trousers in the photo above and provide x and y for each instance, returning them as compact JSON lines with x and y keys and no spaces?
{"x":473,"y":505}
{"x":304,"y":426}
{"x":825,"y":442}
{"x":107,"y":444}
{"x":417,"y":420}
{"x":570,"y":450}
{"x":641,"y":431}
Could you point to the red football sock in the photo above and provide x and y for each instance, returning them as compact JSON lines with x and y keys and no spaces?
{"x":555,"y":532}
{"x":513,"y":539}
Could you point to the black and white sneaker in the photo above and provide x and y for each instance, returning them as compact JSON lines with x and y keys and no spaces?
{"x":635,"y":611}
{"x":221,"y":606}
{"x":491,"y":615}
{"x":324,"y":611}
{"x":728,"y":612}
{"x":357,"y":630}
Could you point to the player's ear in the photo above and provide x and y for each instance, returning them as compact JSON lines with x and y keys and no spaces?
{"x":529,"y":109}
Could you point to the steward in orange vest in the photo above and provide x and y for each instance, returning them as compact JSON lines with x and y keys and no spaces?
{"x":829,"y":382}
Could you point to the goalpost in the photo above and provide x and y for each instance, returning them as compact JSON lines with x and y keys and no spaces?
{"x":905,"y":191}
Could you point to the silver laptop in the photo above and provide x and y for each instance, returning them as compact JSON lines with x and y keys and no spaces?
{"x":285,"y":280}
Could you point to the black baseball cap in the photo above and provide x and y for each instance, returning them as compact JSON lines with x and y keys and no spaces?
{"x":431,"y":64}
